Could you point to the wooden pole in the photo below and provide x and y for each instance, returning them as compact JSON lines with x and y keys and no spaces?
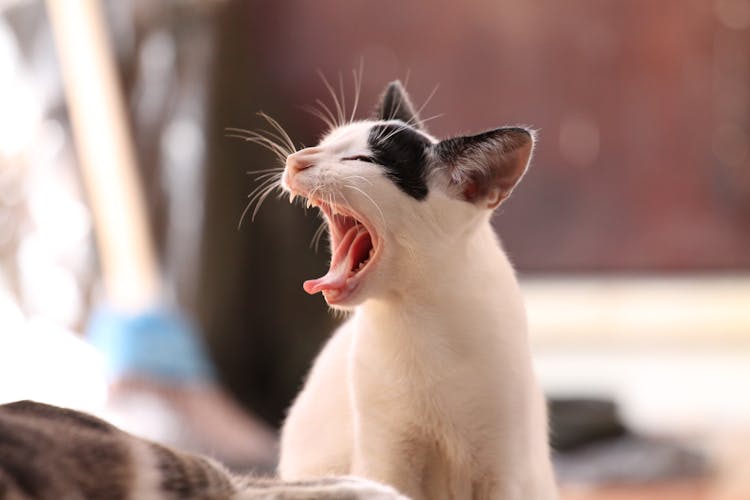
{"x":105,"y":153}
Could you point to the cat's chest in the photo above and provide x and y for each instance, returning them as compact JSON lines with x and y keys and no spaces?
{"x":421,"y":362}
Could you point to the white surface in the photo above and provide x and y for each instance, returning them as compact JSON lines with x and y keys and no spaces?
{"x":654,"y":310}
{"x":674,"y":352}
{"x":39,"y":360}
{"x":658,"y":391}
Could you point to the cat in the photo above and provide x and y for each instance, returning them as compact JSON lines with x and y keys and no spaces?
{"x":51,"y":453}
{"x":428,"y":386}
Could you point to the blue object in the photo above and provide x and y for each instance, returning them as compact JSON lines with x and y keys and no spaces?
{"x":158,"y":343}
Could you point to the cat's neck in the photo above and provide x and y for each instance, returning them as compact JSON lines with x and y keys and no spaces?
{"x":469,"y":286}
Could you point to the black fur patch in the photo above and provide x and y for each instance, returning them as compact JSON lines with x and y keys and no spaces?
{"x":402,"y":151}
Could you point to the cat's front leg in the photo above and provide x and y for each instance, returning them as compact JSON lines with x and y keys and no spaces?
{"x":388,"y":457}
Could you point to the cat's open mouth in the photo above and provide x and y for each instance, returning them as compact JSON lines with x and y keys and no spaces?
{"x":353,"y":248}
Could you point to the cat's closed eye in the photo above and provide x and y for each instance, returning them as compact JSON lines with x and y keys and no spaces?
{"x":359,"y":158}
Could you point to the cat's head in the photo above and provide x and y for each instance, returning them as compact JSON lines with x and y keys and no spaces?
{"x":397,"y":200}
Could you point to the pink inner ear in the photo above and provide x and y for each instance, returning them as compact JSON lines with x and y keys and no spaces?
{"x":471,"y":191}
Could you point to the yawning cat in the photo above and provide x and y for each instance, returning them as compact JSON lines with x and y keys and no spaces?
{"x":428,"y":386}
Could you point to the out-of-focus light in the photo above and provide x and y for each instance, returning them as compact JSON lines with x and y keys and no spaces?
{"x":7,"y":226}
{"x":64,"y":222}
{"x":734,"y":14}
{"x":183,"y":141}
{"x":20,"y":108}
{"x":158,"y":53}
{"x":11,"y":318}
{"x":39,"y":360}
{"x":579,"y":140}
{"x":49,"y":288}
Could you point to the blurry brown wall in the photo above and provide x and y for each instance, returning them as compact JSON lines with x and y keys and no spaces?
{"x":643,"y":109}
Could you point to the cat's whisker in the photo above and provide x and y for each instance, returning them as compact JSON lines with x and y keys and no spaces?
{"x":257,"y":189}
{"x":343,"y":98}
{"x":319,"y":114}
{"x":277,"y":126}
{"x":336,"y":102}
{"x":263,"y":184}
{"x":430,"y":118}
{"x":267,"y":137}
{"x":276,"y":175}
{"x":315,"y":242}
{"x":382,"y":216}
{"x":260,"y":140}
{"x":398,"y":129}
{"x":394,"y":112}
{"x":368,"y":181}
{"x":259,"y":194}
{"x":426,"y":101}
{"x":262,"y":199}
{"x":357,"y":88}
{"x":327,"y":111}
{"x":276,"y":139}
{"x":265,"y":170}
{"x":407,"y":78}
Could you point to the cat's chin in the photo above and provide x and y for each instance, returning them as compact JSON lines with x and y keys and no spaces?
{"x":343,"y":302}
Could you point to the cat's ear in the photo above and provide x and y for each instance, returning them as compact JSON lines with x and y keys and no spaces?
{"x":484,"y":168}
{"x":396,"y":105}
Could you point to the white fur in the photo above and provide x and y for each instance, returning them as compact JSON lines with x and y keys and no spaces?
{"x":428,"y":386}
{"x":339,"y":488}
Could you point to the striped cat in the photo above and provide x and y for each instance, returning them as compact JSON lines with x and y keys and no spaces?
{"x":48,"y":452}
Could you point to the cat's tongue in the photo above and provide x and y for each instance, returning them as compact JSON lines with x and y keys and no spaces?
{"x":352,"y":249}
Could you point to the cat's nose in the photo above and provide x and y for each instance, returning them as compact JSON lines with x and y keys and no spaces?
{"x":301,"y":160}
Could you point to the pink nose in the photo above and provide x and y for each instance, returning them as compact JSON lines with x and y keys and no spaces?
{"x":299,"y":161}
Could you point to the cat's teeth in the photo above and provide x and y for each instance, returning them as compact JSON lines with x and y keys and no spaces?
{"x":309,"y":203}
{"x":292,"y":196}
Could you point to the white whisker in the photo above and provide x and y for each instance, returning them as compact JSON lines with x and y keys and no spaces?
{"x":315,"y":242}
{"x":327,"y":111}
{"x":336,"y":102}
{"x":247,"y":135}
{"x":319,"y":114}
{"x":426,"y":101}
{"x":358,"y":177}
{"x":399,"y":128}
{"x":262,"y":199}
{"x":259,"y":195}
{"x":382,"y":216}
{"x":357,"y":88}
{"x":267,"y":175}
{"x":276,"y":125}
{"x":343,"y":98}
{"x":265,"y":170}
{"x":263,"y":185}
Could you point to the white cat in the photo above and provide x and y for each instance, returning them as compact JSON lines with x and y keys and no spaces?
{"x":428,"y":386}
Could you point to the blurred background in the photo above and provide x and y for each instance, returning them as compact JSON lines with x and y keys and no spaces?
{"x":631,"y":231}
